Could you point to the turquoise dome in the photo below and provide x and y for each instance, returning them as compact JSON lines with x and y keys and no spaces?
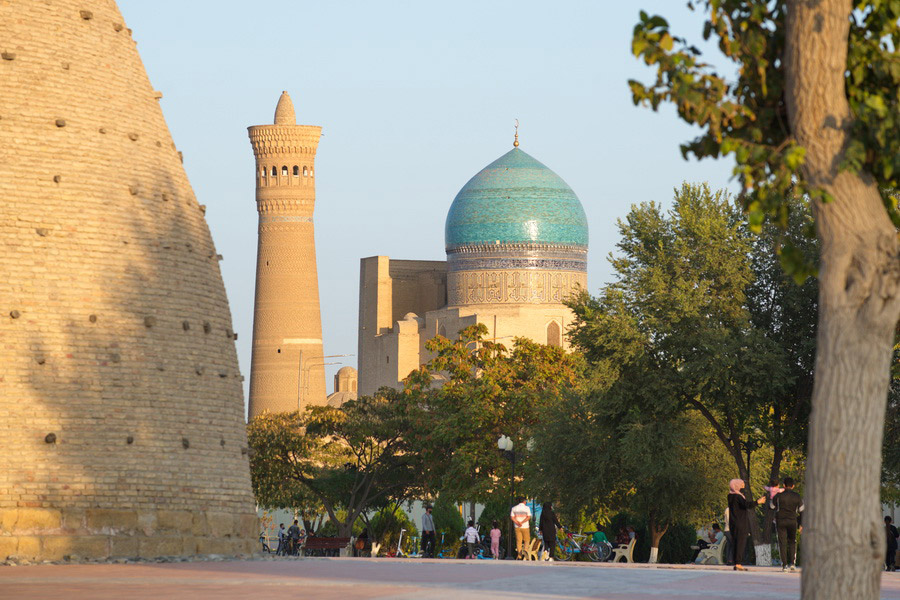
{"x":516,"y":199}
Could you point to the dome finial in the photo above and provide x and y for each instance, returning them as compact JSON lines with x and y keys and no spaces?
{"x":516,"y":141}
{"x":284,"y":112}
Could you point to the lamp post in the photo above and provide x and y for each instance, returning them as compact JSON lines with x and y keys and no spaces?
{"x":506,"y":447}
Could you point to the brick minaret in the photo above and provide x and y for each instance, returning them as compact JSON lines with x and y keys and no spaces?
{"x":287,"y":370}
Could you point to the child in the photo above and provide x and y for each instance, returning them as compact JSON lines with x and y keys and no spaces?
{"x":495,"y":540}
{"x":471,"y":536}
{"x":773,"y":489}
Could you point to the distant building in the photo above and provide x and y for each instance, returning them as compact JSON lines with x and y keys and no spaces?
{"x":345,"y":387}
{"x":516,"y":239}
{"x":287,"y":369}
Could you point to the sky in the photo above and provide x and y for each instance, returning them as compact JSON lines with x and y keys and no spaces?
{"x":414,"y":98}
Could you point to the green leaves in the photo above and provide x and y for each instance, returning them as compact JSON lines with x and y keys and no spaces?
{"x":356,"y":457}
{"x":747,"y":118}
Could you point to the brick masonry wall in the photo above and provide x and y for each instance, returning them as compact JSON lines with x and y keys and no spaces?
{"x":121,"y":408}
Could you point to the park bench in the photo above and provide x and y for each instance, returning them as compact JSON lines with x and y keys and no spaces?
{"x":624,"y":552}
{"x":714,"y":555}
{"x":325,"y":546}
{"x":533,"y":552}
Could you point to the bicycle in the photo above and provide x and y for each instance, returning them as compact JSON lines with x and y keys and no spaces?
{"x":597,"y":551}
{"x":484,"y":550}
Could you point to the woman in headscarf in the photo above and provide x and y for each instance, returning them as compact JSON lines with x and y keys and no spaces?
{"x":549,"y":523}
{"x":740,"y":511}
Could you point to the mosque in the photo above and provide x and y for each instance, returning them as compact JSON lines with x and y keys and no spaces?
{"x":516,"y":239}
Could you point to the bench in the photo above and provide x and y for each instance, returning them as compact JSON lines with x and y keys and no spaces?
{"x":714,"y":555}
{"x":624,"y":552}
{"x":326,"y":546}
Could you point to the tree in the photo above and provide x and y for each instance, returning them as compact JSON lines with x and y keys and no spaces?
{"x":352,"y":459}
{"x":676,"y":320}
{"x":619,"y":449}
{"x":786,"y":314}
{"x":812,"y":113}
{"x":484,"y":391}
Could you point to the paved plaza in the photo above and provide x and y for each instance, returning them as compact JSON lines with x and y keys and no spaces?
{"x":350,"y":579}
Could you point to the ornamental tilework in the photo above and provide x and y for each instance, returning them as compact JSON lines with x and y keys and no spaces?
{"x":512,"y":287}
{"x":516,"y":199}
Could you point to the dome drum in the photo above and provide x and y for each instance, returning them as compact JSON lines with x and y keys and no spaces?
{"x":517,"y":256}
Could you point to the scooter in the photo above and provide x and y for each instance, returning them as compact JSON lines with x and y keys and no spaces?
{"x":400,"y":553}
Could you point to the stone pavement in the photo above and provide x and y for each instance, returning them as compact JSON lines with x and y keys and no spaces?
{"x":351,"y":579}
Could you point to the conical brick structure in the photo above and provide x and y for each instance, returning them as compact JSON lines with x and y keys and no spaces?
{"x":121,"y":409}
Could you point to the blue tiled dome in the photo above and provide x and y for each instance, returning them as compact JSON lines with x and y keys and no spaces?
{"x":516,"y":199}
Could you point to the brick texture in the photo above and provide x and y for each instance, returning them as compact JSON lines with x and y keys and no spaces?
{"x":120,"y":395}
{"x":287,"y":371}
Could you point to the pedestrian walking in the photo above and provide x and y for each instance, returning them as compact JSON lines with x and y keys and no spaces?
{"x":739,"y":512}
{"x":472,"y":538}
{"x":521,"y":518}
{"x":548,"y":524}
{"x":788,"y":507}
{"x":428,"y":537}
{"x":495,"y":540}
{"x":892,"y":535}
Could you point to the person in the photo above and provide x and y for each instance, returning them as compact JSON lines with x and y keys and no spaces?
{"x":788,"y":507}
{"x":471,"y":536}
{"x":773,"y":488}
{"x":428,"y":537}
{"x":729,"y":541}
{"x":739,"y":511}
{"x":622,"y":538}
{"x":495,"y":540}
{"x":294,"y":534}
{"x":714,"y":536}
{"x":282,"y":540}
{"x":631,"y":533}
{"x":521,"y":518}
{"x":548,"y":524}
{"x":600,"y":540}
{"x":362,"y":541}
{"x":892,"y":535}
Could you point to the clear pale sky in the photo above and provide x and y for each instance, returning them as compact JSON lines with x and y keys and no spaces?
{"x":414,"y":98}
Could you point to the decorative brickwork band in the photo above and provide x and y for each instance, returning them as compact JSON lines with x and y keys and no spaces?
{"x":512,"y":287}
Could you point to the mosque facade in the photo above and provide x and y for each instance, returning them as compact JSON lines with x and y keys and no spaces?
{"x":516,"y":239}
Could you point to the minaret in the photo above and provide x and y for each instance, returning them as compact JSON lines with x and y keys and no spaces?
{"x":287,"y":371}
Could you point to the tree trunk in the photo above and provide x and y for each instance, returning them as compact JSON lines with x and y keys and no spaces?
{"x":859,"y":274}
{"x":656,"y":532}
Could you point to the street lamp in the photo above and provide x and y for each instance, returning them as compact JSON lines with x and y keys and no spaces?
{"x":506,"y":447}
{"x":304,"y":370}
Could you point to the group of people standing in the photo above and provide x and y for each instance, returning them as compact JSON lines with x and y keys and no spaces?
{"x":289,"y":539}
{"x":788,"y":507}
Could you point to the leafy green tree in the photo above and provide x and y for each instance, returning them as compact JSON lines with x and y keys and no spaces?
{"x":675,"y":328}
{"x":472,"y":392}
{"x":786,"y":314}
{"x":352,"y":459}
{"x":812,"y":113}
{"x":447,"y":518}
{"x":621,"y":448}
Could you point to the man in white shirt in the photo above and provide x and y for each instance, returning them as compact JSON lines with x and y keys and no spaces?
{"x":521,"y":518}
